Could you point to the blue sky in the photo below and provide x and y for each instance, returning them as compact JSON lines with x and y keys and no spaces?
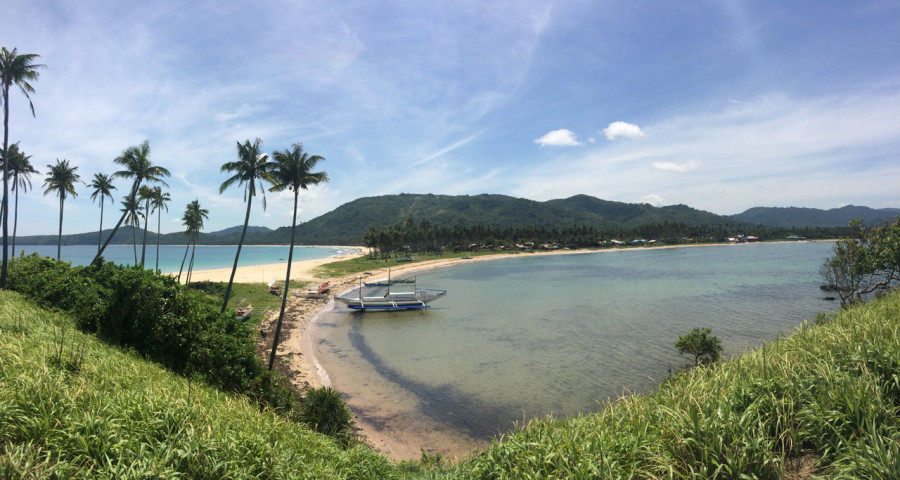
{"x":721,"y":105}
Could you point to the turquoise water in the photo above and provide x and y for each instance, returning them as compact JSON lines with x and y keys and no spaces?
{"x":521,"y":338}
{"x":207,"y":257}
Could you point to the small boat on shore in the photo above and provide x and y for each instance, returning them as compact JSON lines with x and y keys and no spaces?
{"x":243,"y":313}
{"x":393,"y":299}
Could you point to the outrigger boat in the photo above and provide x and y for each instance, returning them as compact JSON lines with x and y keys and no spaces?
{"x":394,"y":298}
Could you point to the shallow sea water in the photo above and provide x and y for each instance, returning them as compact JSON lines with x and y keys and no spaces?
{"x":529,"y":336}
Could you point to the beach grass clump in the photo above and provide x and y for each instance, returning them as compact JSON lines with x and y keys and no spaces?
{"x":120,"y":416}
{"x":826,"y":395}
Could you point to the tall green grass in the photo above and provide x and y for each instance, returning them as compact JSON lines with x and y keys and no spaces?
{"x":74,"y":407}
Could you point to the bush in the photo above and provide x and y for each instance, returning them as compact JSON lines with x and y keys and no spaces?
{"x":704,"y":347}
{"x":324,"y":411}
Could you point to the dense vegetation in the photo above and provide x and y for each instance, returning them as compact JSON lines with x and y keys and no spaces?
{"x":73,"y":407}
{"x":347,"y":224}
{"x":154,"y":315}
{"x":426,"y":236}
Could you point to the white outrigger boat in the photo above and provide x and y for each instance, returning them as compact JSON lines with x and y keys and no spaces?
{"x":395,"y":297}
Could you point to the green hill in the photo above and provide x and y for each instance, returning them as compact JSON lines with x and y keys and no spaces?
{"x":813,"y":217}
{"x":347,"y":223}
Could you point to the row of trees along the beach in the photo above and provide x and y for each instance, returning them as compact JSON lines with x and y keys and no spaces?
{"x":290,"y":169}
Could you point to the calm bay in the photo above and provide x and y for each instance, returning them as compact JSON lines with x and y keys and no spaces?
{"x":523,"y":337}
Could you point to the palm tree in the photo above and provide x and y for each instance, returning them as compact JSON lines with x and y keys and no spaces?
{"x":131,"y":213}
{"x":21,"y":169}
{"x":145,"y":194}
{"x":136,"y":160}
{"x":61,"y":179}
{"x":292,"y":171}
{"x":251,"y":168}
{"x":193,"y":221}
{"x":103,"y":187}
{"x":160,"y":201}
{"x":17,"y":70}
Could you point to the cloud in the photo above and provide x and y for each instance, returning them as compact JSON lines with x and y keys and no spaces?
{"x":558,"y":138}
{"x":622,"y":129}
{"x":653,"y":199}
{"x":676,"y":167}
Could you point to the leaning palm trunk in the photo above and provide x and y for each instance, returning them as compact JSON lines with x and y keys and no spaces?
{"x":134,"y":189}
{"x":287,"y":284}
{"x":186,"y":248}
{"x":191,"y":265}
{"x":238,"y":254}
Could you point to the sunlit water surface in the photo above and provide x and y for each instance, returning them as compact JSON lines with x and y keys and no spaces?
{"x":528,"y":336}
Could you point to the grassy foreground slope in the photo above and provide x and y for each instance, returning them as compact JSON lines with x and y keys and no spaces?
{"x":74,"y":407}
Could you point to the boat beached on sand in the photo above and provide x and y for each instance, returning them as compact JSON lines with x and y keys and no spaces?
{"x":394,"y":297}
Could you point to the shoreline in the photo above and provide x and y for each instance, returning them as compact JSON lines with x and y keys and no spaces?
{"x":304,"y":369}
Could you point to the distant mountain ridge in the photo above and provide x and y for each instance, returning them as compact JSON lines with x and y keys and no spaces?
{"x":813,"y":217}
{"x":347,"y":223}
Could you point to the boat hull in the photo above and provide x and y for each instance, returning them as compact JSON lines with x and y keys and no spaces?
{"x":392,"y":301}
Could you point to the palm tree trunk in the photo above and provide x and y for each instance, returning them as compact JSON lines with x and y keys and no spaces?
{"x":15,"y":217}
{"x":5,"y":184}
{"x":158,"y":227}
{"x":62,"y":200}
{"x":146,"y":220}
{"x":134,"y":188}
{"x":238,"y":254}
{"x":134,"y":244}
{"x":191,"y":265}
{"x":100,"y":233}
{"x":186,"y":248}
{"x":287,"y":284}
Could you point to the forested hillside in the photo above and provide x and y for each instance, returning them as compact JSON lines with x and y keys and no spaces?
{"x":348,"y":223}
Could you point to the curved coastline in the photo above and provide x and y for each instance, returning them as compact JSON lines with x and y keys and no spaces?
{"x":397,"y":446}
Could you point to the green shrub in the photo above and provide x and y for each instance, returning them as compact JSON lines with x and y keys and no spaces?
{"x":325,"y":411}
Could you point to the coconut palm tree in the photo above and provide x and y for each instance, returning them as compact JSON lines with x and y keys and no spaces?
{"x":136,"y":160}
{"x":21,"y":169}
{"x":145,"y":194}
{"x":293,"y":170}
{"x":161,"y":201}
{"x":131,"y":212}
{"x":61,"y":179}
{"x":103,"y":187}
{"x":251,"y":168}
{"x":19,"y":70}
{"x":193,"y":221}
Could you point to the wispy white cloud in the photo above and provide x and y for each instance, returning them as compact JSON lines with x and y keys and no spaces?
{"x":622,"y":130}
{"x":558,"y":138}
{"x":676,"y":167}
